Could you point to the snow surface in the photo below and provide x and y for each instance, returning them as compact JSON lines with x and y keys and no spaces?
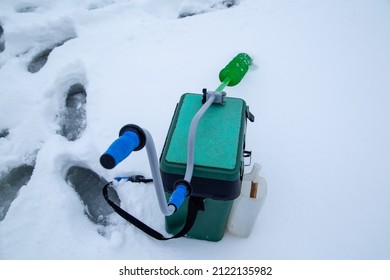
{"x":320,"y":91}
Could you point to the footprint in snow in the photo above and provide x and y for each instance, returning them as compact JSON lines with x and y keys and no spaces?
{"x":192,"y":8}
{"x":4,"y":133}
{"x":40,"y":59}
{"x":99,"y":4}
{"x":26,"y":8}
{"x":2,"y":40}
{"x":41,"y":40}
{"x":72,"y":118}
{"x":88,"y":186}
{"x":10,"y":184}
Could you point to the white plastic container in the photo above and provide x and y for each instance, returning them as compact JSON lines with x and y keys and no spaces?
{"x":247,"y":206}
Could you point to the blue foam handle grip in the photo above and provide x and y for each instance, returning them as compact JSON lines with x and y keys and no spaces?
{"x":178,"y":196}
{"x":120,"y":149}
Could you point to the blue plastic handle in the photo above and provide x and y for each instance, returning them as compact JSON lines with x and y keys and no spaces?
{"x":120,"y":149}
{"x":178,"y":196}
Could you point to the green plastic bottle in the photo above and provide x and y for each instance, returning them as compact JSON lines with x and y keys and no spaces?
{"x":233,"y":73}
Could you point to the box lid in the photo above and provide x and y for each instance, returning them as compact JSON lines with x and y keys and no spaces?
{"x":218,"y":143}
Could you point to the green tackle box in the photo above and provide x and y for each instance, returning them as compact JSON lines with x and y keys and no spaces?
{"x":219,"y":162}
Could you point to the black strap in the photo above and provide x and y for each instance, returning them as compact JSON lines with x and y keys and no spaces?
{"x":134,"y":179}
{"x":194,"y":205}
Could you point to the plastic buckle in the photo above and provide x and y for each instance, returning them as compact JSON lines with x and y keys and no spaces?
{"x":220,"y":97}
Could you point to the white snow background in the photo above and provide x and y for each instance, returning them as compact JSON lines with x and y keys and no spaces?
{"x":319,"y":89}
